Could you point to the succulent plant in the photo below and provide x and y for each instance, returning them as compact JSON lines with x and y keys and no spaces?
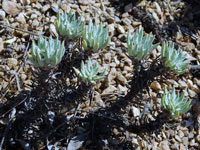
{"x":173,"y":58}
{"x":68,"y":26}
{"x":95,"y":37}
{"x":175,"y":104}
{"x":46,"y":54}
{"x":139,"y":45}
{"x":89,"y":72}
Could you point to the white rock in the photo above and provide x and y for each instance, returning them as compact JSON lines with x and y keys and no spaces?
{"x":53,"y":30}
{"x":191,"y":93}
{"x":164,"y":145}
{"x":196,"y":81}
{"x":20,"y":18}
{"x":135,"y":111}
{"x":182,"y":84}
{"x":12,"y":62}
{"x":109,"y":90}
{"x":2,"y":14}
{"x":189,"y":83}
{"x":122,"y":90}
{"x":35,"y":23}
{"x":120,"y":29}
{"x":33,"y":16}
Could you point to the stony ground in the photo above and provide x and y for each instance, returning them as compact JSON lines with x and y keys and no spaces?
{"x":59,"y":116}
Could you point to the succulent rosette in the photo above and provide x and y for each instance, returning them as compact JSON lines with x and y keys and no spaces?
{"x":139,"y":45}
{"x":88,"y":73}
{"x":173,"y":58}
{"x":68,"y":26}
{"x":95,"y":37}
{"x":174,"y":103}
{"x":46,"y":54}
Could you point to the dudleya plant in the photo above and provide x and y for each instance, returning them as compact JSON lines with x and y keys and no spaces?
{"x":139,"y":45}
{"x":68,"y":26}
{"x":95,"y":37}
{"x":46,"y":54}
{"x":175,"y":104}
{"x":173,"y":59}
{"x":89,"y":72}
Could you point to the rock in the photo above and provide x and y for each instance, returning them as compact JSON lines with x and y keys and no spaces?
{"x":128,"y":69}
{"x":33,"y":16}
{"x":111,"y":29}
{"x":121,"y":78}
{"x":122,"y":90}
{"x":124,"y":15}
{"x":21,"y":19}
{"x":192,"y":143}
{"x":53,"y":31}
{"x":189,"y":83}
{"x":120,"y":29}
{"x":191,"y":93}
{"x":185,"y":140}
{"x":35,"y":23}
{"x":11,"y":8}
{"x":107,"y":57}
{"x":1,"y":45}
{"x":182,"y":84}
{"x":181,"y":134}
{"x":109,"y":90}
{"x":126,"y":21}
{"x":155,"y":86}
{"x":98,"y":100}
{"x":198,"y":138}
{"x":23,"y":76}
{"x":12,"y":62}
{"x":196,"y":81}
{"x":164,"y":145}
{"x":175,"y":146}
{"x":171,"y":133}
{"x":115,"y":131}
{"x":135,"y":111}
{"x":182,"y":147}
{"x":2,"y":14}
{"x":110,"y":19}
{"x":191,"y":135}
{"x":128,"y":8}
{"x":117,"y":19}
{"x":45,"y":7}
{"x":178,"y":138}
{"x":196,"y":89}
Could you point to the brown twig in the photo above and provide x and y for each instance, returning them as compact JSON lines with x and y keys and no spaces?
{"x":15,"y":28}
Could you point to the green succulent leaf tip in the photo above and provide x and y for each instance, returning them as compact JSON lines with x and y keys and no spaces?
{"x":139,"y":45}
{"x":173,"y":58}
{"x":174,"y":103}
{"x":88,"y":72}
{"x":69,"y":26}
{"x":95,"y":37}
{"x":46,"y":54}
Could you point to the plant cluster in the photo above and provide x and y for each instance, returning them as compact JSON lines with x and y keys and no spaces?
{"x":95,"y":37}
{"x":47,"y":54}
{"x":174,"y":103}
{"x":89,"y":72}
{"x":139,"y":45}
{"x":68,"y":26}
{"x":173,"y":58}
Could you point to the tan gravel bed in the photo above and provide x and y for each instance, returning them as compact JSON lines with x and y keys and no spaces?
{"x":38,"y":17}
